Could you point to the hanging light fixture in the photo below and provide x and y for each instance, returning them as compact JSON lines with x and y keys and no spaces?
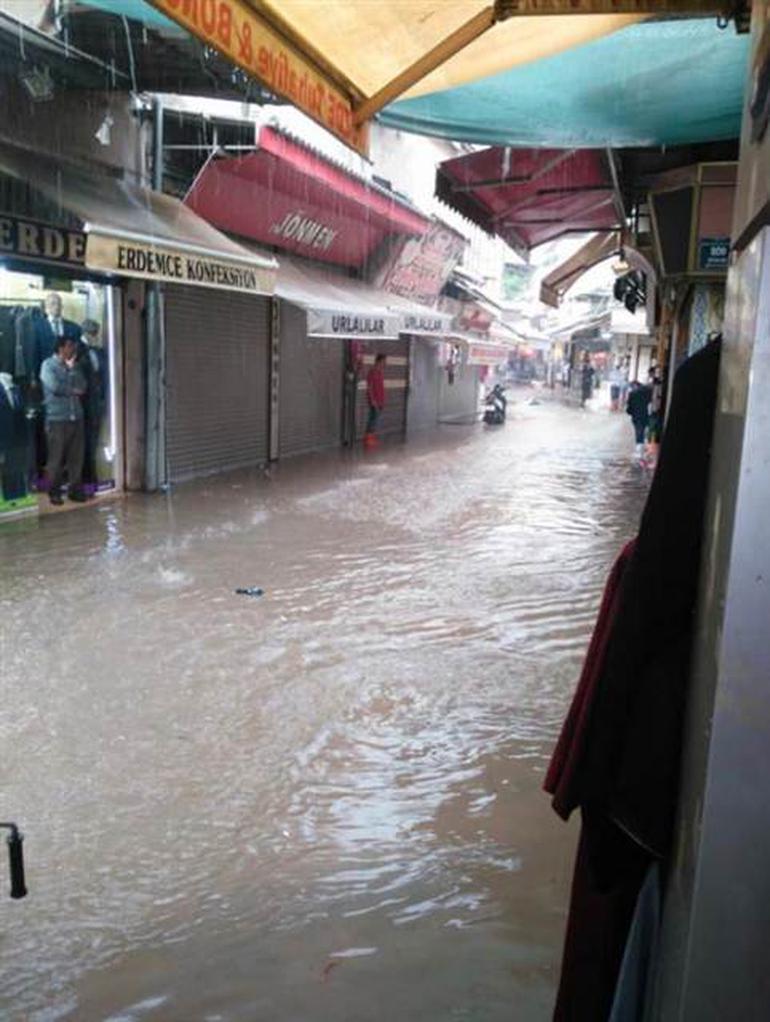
{"x":38,"y":83}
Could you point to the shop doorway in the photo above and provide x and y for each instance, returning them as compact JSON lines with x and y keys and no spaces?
{"x":393,"y":420}
{"x":35,"y":308}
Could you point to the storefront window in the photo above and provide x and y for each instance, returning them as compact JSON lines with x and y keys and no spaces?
{"x":46,"y":440}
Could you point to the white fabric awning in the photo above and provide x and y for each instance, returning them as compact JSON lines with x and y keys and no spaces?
{"x":340,"y":306}
{"x":137,"y":232}
{"x":336,"y":306}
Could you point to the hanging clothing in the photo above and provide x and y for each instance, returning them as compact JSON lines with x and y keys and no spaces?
{"x":624,"y":770}
{"x":14,"y":440}
{"x":569,"y":748}
{"x":637,"y":968}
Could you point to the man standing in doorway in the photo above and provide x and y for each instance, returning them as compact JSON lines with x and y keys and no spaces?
{"x":375,"y":396}
{"x":64,"y":385}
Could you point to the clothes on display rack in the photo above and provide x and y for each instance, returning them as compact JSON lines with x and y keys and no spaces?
{"x":8,"y":340}
{"x":14,"y":440}
{"x":619,"y":755}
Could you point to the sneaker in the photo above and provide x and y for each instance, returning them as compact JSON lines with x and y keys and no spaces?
{"x":78,"y":496}
{"x":56,"y":498}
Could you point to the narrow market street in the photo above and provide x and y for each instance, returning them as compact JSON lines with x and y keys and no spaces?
{"x":323,"y":800}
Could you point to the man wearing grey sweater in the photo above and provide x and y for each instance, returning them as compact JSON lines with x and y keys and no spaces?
{"x":63,"y":388}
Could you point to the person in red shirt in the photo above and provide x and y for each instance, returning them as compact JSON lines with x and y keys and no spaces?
{"x":375,"y":396}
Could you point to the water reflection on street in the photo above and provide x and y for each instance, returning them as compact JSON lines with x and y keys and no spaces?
{"x":323,"y":803}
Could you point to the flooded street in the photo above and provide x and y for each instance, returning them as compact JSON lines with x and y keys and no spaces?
{"x":323,"y":803}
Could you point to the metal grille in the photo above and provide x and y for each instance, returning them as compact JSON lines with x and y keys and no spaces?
{"x":217,"y":346}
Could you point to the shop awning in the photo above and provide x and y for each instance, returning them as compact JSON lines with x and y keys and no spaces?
{"x":663,"y":82}
{"x":558,"y":282}
{"x":136,"y":232}
{"x":335,"y":305}
{"x":419,"y":320}
{"x":341,"y":61}
{"x":530,"y":196}
{"x":339,"y":306}
{"x":286,"y":194}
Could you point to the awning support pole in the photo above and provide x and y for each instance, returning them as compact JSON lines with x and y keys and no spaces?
{"x":440,"y":54}
{"x":155,"y":346}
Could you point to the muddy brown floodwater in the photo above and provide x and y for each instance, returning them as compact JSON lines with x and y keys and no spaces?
{"x":324,"y":803}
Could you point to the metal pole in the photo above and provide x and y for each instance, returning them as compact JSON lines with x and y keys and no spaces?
{"x":155,"y":349}
{"x":275,"y":377}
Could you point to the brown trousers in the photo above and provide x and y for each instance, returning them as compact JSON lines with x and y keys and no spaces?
{"x":66,"y":441}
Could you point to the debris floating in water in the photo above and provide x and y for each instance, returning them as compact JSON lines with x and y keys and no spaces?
{"x":250,"y":591}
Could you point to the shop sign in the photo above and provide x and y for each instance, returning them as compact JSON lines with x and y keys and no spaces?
{"x":474,"y":317}
{"x":305,"y":231}
{"x":658,"y":7}
{"x":234,"y":29}
{"x":486,"y":354}
{"x":155,"y":262}
{"x":713,"y":253}
{"x":32,"y":239}
{"x":325,"y":323}
{"x":424,"y":265}
{"x":419,"y":323}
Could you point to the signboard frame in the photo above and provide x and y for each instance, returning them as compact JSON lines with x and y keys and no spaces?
{"x":237,"y":31}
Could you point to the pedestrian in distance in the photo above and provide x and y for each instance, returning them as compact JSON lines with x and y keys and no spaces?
{"x":616,"y":386}
{"x":64,"y":385}
{"x":375,"y":396}
{"x":638,"y":407}
{"x":588,"y":374}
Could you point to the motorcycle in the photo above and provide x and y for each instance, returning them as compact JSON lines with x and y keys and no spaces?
{"x":495,"y":406}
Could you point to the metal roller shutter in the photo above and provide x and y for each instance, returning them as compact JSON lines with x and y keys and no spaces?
{"x":393,"y":419}
{"x":217,"y":345}
{"x":424,"y":383}
{"x":311,"y":380}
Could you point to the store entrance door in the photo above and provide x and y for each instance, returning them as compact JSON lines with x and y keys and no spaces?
{"x":393,"y":419}
{"x":36,"y":309}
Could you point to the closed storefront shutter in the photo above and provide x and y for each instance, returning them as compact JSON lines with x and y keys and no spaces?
{"x":217,"y":345}
{"x":424,"y":383}
{"x":393,"y":419}
{"x":311,"y":382}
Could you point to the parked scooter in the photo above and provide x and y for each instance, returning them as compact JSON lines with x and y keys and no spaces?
{"x":495,"y":406}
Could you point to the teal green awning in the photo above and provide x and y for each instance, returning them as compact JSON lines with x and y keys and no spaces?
{"x":655,"y":83}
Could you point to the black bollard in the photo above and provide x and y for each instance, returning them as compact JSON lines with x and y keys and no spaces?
{"x":16,"y":860}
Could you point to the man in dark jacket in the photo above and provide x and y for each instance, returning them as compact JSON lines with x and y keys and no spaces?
{"x":53,"y":325}
{"x":638,"y":407}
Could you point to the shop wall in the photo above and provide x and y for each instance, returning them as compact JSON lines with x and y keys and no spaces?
{"x":459,"y":401}
{"x":310,"y":388}
{"x":716,"y":928}
{"x":65,"y":127}
{"x":424,"y":385}
{"x":134,"y":420}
